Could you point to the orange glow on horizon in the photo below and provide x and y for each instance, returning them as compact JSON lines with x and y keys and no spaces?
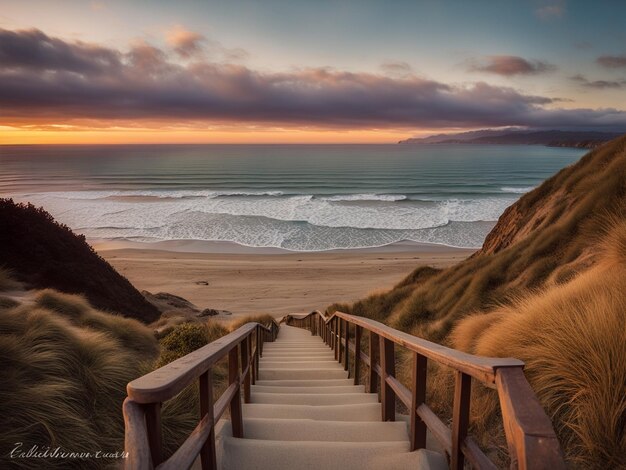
{"x":17,"y":136}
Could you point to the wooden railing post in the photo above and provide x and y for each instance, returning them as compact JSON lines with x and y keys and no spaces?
{"x":207,"y":454}
{"x":155,"y":435}
{"x":257,"y":352}
{"x":346,"y":352}
{"x":357,"y":353}
{"x":253,"y":359}
{"x":245,"y":360}
{"x":388,"y":368}
{"x":373,"y":350}
{"x":236,"y":418}
{"x":338,"y":335}
{"x":418,"y":427}
{"x":460,"y":418}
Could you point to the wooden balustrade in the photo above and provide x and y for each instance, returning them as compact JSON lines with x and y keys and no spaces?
{"x":142,"y":407}
{"x":531,"y":439}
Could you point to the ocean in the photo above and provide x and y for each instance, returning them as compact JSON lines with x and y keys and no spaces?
{"x":295,"y":197}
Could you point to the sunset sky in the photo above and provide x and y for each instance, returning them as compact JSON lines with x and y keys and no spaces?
{"x":311,"y":71}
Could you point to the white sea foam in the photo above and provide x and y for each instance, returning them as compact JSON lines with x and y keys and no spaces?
{"x":302,"y":222}
{"x":366,"y":197}
{"x":517,"y":190}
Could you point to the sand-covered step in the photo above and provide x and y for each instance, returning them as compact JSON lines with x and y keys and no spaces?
{"x":276,"y":364}
{"x":301,"y":389}
{"x":321,"y":349}
{"x":306,"y":455}
{"x":306,"y":382}
{"x":314,"y":399}
{"x":360,"y":412}
{"x":290,"y":355}
{"x":307,"y":358}
{"x":295,"y":374}
{"x":331,"y":431}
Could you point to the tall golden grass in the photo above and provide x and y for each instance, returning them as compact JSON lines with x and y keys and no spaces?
{"x":264,"y":319}
{"x":63,"y":380}
{"x":6,"y":282}
{"x":573,"y":341}
{"x":65,"y":368}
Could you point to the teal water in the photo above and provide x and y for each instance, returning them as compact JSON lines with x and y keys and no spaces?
{"x":298,"y":197}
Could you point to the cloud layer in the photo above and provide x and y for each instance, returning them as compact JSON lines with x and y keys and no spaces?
{"x":509,"y":65}
{"x":52,"y":81}
{"x":612,"y":61}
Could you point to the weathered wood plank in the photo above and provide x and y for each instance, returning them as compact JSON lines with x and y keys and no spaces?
{"x":418,"y":397}
{"x":236,"y":417}
{"x":373,"y":357}
{"x":207,"y":451}
{"x":529,"y":433}
{"x":388,"y":366}
{"x":136,"y":438}
{"x":460,"y":418}
{"x":357,"y":354}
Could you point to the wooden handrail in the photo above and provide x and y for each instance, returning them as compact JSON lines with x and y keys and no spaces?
{"x":142,"y":408}
{"x":530,"y":436}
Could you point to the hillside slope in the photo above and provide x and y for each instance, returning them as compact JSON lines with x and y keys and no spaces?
{"x":44,"y":254}
{"x":547,"y":287}
{"x":546,"y":238}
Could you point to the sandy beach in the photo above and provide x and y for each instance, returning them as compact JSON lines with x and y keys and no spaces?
{"x":249,"y":281}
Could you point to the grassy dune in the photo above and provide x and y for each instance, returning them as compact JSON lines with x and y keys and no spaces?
{"x":65,"y":369}
{"x":548,"y":287}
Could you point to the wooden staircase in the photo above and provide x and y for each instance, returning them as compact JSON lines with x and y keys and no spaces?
{"x":305,"y":413}
{"x":295,"y":401}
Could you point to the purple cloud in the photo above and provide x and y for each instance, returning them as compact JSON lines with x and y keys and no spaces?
{"x":184,"y":42}
{"x":80,"y":81}
{"x":509,"y":65}
{"x":612,"y":61}
{"x":598,"y":84}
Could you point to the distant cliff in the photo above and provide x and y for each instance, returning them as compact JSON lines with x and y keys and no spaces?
{"x":45,"y":254}
{"x":551,"y":138}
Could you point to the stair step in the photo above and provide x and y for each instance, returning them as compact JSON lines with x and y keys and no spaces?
{"x":319,"y":348}
{"x":360,"y":412}
{"x":306,"y":382}
{"x":289,"y":358}
{"x":306,"y":413}
{"x":279,"y":364}
{"x":295,"y":374}
{"x":332,"y":431}
{"x":314,"y":399}
{"x":314,"y":389}
{"x":306,"y":455}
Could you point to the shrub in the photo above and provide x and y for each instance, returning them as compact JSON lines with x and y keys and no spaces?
{"x":264,"y":319}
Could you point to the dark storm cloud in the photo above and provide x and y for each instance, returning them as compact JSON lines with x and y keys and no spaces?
{"x":35,"y":50}
{"x":509,"y":65}
{"x":612,"y":61}
{"x":84,"y":81}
